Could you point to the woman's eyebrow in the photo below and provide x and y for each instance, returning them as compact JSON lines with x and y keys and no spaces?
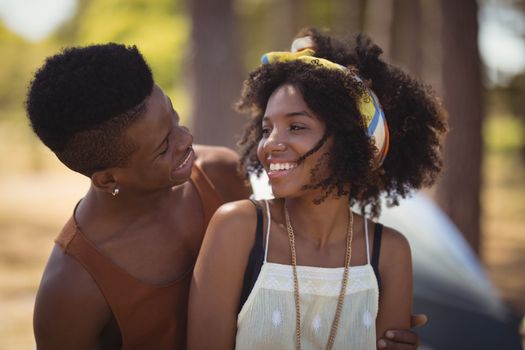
{"x":293,"y":114}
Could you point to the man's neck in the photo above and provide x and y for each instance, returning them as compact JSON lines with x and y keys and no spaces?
{"x":101,"y":212}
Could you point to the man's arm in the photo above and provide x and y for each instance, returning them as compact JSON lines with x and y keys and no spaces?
{"x":220,"y":165}
{"x":70,"y":312}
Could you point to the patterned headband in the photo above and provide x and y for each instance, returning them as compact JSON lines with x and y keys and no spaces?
{"x":369,"y":107}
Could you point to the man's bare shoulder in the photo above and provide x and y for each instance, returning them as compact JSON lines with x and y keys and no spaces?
{"x":69,"y":309}
{"x":221,"y":166}
{"x":212,"y":154}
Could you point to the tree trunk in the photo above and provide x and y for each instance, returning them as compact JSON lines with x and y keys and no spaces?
{"x":458,"y":192}
{"x":378,"y":18}
{"x":348,"y":16}
{"x":215,"y":72}
{"x":405,"y":36}
{"x":431,"y":33}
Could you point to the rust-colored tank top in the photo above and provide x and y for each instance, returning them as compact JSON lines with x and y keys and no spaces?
{"x":149,"y":317}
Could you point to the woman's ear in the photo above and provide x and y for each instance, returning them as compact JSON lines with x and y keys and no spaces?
{"x":105,"y":180}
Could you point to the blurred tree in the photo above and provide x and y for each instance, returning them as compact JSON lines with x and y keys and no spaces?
{"x":431,"y":43}
{"x":342,"y":16}
{"x":18,"y":60}
{"x":271,"y":25}
{"x":406,"y":35}
{"x":349,"y":16}
{"x":514,"y":94}
{"x":458,"y":192}
{"x":377,"y":24}
{"x":159,"y":29}
{"x":215,"y":72}
{"x":12,"y":86}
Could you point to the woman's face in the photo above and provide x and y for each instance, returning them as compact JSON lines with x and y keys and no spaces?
{"x":289,"y":130}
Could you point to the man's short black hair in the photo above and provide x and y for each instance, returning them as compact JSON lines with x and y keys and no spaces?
{"x":83,"y":98}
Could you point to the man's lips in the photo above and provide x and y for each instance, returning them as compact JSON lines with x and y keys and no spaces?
{"x":186,"y":159}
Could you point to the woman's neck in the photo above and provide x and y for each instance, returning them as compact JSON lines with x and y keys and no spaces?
{"x":321,"y":223}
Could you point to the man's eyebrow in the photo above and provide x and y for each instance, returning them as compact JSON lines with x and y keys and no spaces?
{"x":173,"y":109}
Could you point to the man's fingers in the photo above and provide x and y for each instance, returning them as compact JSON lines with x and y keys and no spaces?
{"x":402,"y":336}
{"x":403,"y":339}
{"x":385,"y":344}
{"x":418,"y":320}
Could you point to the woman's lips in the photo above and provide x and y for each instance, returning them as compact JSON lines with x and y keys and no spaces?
{"x":278,"y":169}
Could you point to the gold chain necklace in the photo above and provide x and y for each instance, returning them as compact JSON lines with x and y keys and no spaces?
{"x":342,"y":293}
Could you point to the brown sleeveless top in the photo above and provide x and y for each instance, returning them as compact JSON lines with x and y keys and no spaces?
{"x":149,"y":317}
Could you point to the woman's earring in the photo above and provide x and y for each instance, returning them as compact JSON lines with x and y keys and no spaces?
{"x":115,"y":191}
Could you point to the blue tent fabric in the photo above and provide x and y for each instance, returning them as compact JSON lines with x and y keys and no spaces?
{"x":450,"y":284}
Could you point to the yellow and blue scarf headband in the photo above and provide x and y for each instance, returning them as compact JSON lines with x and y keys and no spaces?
{"x":369,"y":107}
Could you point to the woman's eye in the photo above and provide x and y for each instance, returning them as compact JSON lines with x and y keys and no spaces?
{"x":295,"y":127}
{"x":266,"y":131}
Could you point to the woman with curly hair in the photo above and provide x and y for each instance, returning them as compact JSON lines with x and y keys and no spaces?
{"x":334,"y":127}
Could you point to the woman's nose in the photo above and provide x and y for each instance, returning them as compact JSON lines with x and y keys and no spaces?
{"x":274,"y":143}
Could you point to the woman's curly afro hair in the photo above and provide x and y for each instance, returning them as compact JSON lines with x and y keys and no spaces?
{"x":414,"y":115}
{"x":82,"y":99}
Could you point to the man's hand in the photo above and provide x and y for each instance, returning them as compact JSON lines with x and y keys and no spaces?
{"x":403,"y":339}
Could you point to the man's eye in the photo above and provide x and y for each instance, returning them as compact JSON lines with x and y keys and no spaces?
{"x":166,"y":149}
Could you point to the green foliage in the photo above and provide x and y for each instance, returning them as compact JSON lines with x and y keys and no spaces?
{"x":158,"y":28}
{"x":18,"y":61}
{"x":515,"y":95}
{"x":503,"y":133}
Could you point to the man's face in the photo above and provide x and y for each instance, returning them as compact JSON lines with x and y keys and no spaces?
{"x":164,"y":156}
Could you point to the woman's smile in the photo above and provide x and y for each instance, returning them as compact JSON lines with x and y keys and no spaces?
{"x":278,"y":169}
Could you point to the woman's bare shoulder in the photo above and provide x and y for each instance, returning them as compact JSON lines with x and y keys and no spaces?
{"x":395,"y":256}
{"x":394,"y":242}
{"x":233,"y":223}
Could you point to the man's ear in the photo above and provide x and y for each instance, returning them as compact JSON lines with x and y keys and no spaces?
{"x":105,"y":180}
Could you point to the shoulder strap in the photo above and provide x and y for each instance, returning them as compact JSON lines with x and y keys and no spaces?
{"x":255,"y":260}
{"x":210,"y":198}
{"x":66,"y":234}
{"x":378,"y":230}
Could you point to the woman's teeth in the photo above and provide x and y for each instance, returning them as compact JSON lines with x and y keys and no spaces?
{"x":281,"y":166}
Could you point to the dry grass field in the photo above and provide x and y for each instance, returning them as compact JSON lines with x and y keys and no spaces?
{"x":35,"y":204}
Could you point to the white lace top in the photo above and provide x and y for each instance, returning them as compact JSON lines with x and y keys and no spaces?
{"x":267,"y":319}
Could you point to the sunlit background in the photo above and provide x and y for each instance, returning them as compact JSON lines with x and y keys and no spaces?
{"x":201,"y":50}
